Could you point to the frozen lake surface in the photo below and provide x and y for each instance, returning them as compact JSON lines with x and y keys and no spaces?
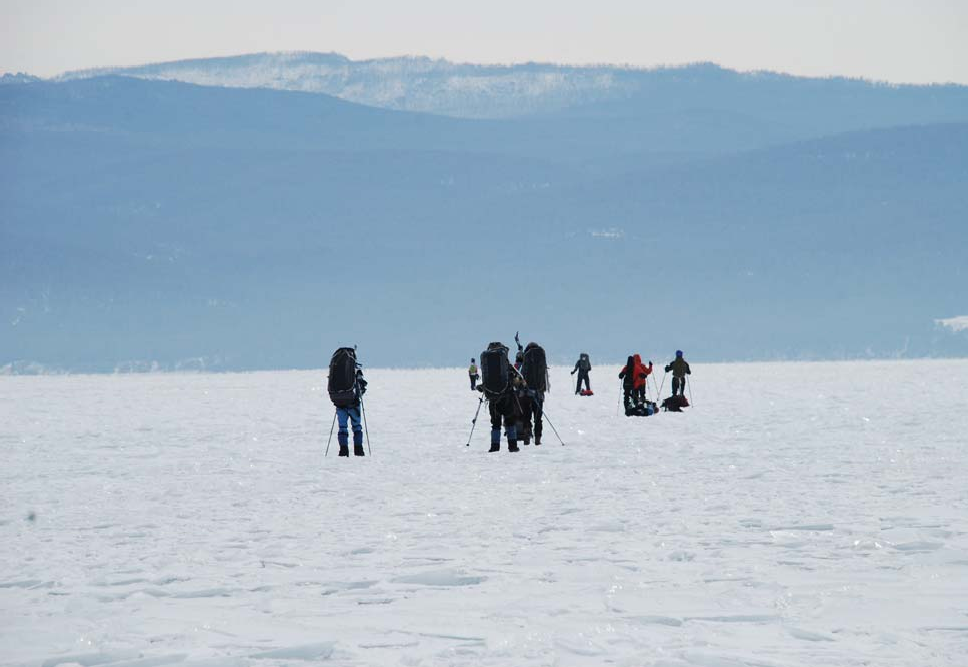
{"x":798,"y":514}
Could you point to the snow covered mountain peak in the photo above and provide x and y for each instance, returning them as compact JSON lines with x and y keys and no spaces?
{"x":407,"y":83}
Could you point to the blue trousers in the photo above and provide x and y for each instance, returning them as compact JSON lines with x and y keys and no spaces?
{"x":344,"y":415}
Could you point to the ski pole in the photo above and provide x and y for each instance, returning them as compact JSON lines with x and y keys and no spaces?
{"x":545,"y":415}
{"x":689,"y":387}
{"x":330,"y":434}
{"x":663,"y":383}
{"x":365,"y":429}
{"x":474,"y":420}
{"x":620,"y":391}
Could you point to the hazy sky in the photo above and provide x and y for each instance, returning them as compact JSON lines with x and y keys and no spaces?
{"x":892,"y":40}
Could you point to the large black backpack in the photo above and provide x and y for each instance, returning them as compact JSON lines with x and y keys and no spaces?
{"x":584,"y":363}
{"x":495,"y":369}
{"x":535,"y":368}
{"x":342,"y":377}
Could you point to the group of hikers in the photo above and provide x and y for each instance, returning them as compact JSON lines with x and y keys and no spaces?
{"x":515,"y":393}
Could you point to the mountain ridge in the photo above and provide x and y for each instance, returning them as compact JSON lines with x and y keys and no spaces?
{"x":420,"y":83}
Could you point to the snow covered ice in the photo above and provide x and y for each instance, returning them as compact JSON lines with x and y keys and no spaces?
{"x":799,"y":514}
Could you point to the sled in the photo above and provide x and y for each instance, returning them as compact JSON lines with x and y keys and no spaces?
{"x":641,"y":410}
{"x":586,"y":392}
{"x":675,"y":403}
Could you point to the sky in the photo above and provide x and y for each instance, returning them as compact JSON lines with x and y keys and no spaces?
{"x":900,"y":41}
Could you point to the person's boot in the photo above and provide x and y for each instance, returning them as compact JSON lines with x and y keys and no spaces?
{"x":495,"y":440}
{"x":512,"y":436}
{"x":343,"y":440}
{"x":358,"y":444}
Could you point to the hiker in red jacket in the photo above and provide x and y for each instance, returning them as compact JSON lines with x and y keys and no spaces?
{"x":634,"y":380}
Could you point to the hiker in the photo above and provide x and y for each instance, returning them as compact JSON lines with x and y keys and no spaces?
{"x":680,"y":369}
{"x":534,"y":372}
{"x":474,"y":376}
{"x":634,"y":375}
{"x":641,"y":378}
{"x":499,"y":384}
{"x":582,"y":366}
{"x":346,"y":387}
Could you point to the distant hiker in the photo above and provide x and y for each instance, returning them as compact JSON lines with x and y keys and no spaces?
{"x":634,"y":375}
{"x":498,"y":384}
{"x":472,"y":372}
{"x":641,"y":378}
{"x":680,"y":369}
{"x":534,"y":371}
{"x":582,"y":367}
{"x":346,"y":387}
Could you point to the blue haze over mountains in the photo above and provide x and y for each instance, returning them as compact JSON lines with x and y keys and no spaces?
{"x":149,"y":222}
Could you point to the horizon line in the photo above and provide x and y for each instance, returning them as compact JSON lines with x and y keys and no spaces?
{"x":628,"y":67}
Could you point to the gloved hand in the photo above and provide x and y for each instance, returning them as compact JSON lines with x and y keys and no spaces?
{"x":668,"y":368}
{"x":572,"y":373}
{"x":650,"y":362}
{"x":362,"y":385}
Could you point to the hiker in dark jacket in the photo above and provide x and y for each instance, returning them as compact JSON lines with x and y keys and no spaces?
{"x":680,"y":369}
{"x":532,"y":398}
{"x":502,"y":404}
{"x":582,"y":366}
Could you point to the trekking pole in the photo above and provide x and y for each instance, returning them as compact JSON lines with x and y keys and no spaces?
{"x":474,"y":420}
{"x":620,"y":392}
{"x":365,"y":429}
{"x":330,"y":434}
{"x":545,"y":415}
{"x":663,"y":383}
{"x":689,"y":387}
{"x":655,"y":384}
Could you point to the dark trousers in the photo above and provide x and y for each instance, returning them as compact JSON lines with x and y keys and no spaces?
{"x":679,"y":385}
{"x":473,"y":382}
{"x":583,"y":377}
{"x":638,"y":394}
{"x":537,"y":414}
{"x":504,"y":408}
{"x":346,"y":416}
{"x":531,"y":413}
{"x":524,"y":417}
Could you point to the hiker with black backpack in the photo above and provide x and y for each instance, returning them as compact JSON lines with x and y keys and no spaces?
{"x":582,"y":367}
{"x":498,"y":384}
{"x":534,"y":372}
{"x":346,"y":388}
